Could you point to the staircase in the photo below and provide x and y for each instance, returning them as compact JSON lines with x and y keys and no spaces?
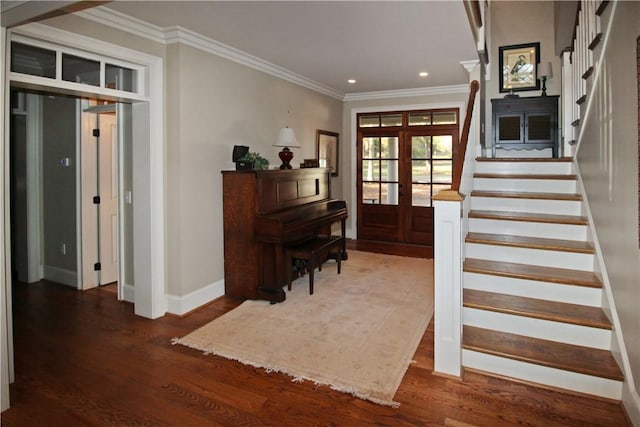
{"x":531,"y":300}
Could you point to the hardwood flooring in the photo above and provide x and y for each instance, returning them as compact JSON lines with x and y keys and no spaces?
{"x":83,"y":358}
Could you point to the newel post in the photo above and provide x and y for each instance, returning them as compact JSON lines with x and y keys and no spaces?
{"x":448,"y":283}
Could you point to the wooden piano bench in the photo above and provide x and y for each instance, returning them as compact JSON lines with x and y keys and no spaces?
{"x":315,"y":252}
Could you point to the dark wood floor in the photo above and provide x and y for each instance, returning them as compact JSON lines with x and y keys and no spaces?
{"x":83,"y":358}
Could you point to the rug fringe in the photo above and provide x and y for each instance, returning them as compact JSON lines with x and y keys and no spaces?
{"x":295,"y":377}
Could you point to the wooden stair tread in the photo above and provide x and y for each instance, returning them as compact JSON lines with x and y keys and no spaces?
{"x":533,"y":272}
{"x":527,"y":195}
{"x":536,"y":308}
{"x":567,"y":177}
{"x":530,"y":242}
{"x":524,"y":159}
{"x":568,"y":357}
{"x":530,"y":217}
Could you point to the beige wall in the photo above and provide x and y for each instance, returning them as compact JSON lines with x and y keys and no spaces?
{"x":517,"y":23}
{"x":212,"y":104}
{"x":608,"y":160}
{"x":220,"y":104}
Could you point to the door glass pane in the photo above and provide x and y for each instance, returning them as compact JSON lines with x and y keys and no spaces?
{"x":442,"y":147}
{"x":371,"y":193}
{"x":389,"y":193}
{"x":370,"y":148}
{"x":420,"y":171}
{"x":32,"y":60}
{"x":419,"y":119}
{"x":421,"y":147}
{"x":372,"y":121}
{"x":392,"y":120}
{"x":539,"y":127}
{"x":389,"y":170}
{"x":509,"y":128}
{"x":389,"y":147}
{"x":421,"y":195}
{"x":80,"y":70}
{"x":371,"y":170}
{"x":442,"y":171}
{"x":445,"y":118}
{"x":120,"y":78}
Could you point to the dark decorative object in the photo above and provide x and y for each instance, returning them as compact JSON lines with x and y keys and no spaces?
{"x":286,"y":139}
{"x":517,"y":67}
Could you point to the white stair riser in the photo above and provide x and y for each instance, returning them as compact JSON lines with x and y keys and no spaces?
{"x":533,"y":289}
{"x":560,"y":186}
{"x":546,"y":258}
{"x":538,"y":328}
{"x":554,"y":207}
{"x":531,"y":229}
{"x":537,"y":168}
{"x":543,"y":375}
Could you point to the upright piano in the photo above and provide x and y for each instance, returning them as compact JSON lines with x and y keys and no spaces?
{"x":263,"y":212}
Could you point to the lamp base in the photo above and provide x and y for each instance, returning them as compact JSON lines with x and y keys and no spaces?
{"x":544,"y":86}
{"x":285,"y":155}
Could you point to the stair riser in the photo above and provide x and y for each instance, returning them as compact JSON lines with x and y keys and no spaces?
{"x":533,"y":289}
{"x":530,"y":229}
{"x":537,"y":168}
{"x":558,"y":186}
{"x":547,"y":258}
{"x":554,"y":207}
{"x":543,"y":375}
{"x":537,"y":328}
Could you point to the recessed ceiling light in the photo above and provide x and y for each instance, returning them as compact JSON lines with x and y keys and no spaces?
{"x":423,"y":74}
{"x":351,"y":81}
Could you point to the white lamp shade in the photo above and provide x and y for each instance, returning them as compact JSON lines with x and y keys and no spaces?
{"x":544,"y":70}
{"x":286,"y":138}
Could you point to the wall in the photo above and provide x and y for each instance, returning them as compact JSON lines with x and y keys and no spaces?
{"x":220,"y":104}
{"x":515,"y":23}
{"x":608,"y":160}
{"x":59,"y":188}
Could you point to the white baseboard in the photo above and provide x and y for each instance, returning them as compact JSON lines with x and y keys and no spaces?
{"x":182,"y":305}
{"x":128,"y":293}
{"x":60,"y":275}
{"x":631,"y":402}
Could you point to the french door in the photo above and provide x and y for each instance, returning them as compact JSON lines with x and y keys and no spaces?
{"x":404,"y":160}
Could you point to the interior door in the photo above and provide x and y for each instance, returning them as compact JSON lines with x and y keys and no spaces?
{"x":429,"y":165}
{"x":380,"y":190}
{"x":108,"y":190}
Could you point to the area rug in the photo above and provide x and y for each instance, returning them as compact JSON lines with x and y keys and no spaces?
{"x":357,"y":333}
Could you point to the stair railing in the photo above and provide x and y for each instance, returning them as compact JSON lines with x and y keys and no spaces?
{"x":460,"y":156}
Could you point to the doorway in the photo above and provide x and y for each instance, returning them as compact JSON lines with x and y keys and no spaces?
{"x":67,"y":170}
{"x":404,"y":159}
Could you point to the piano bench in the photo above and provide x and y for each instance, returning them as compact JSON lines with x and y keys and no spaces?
{"x":315,"y":252}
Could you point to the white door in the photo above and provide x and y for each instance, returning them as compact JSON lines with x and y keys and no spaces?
{"x":99,"y":197}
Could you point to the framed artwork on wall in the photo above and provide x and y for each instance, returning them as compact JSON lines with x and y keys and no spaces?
{"x":518,"y":67}
{"x":327,"y":150}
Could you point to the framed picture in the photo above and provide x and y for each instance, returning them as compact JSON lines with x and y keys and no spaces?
{"x":327,"y":149}
{"x":517,"y":65}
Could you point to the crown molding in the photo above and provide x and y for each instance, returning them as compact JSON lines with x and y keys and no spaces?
{"x":176,"y":34}
{"x":389,"y":94}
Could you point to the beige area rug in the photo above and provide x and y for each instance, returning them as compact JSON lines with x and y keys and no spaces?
{"x":357,"y":333}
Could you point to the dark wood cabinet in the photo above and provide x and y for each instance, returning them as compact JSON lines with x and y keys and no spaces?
{"x":525,"y":123}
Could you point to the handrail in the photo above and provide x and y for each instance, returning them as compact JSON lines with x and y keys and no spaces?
{"x":459,"y":161}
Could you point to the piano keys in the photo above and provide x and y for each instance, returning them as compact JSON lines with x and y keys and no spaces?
{"x":263,"y":211}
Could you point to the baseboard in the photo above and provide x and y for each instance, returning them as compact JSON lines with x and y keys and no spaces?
{"x":128,"y":293}
{"x":631,"y":403}
{"x":60,"y":275}
{"x":184,"y":304}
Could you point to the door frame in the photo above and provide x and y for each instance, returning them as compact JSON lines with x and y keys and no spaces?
{"x":352,"y":229}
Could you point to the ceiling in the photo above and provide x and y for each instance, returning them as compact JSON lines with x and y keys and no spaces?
{"x":383,"y":45}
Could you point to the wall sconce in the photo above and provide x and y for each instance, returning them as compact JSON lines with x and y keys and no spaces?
{"x":286,"y":139}
{"x":544,"y":72}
